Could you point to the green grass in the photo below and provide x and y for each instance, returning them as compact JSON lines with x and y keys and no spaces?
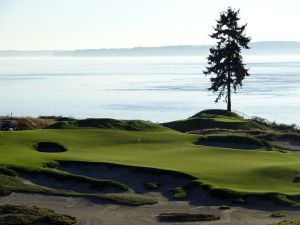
{"x":254,"y":172}
{"x":187,"y":217}
{"x":27,"y":215}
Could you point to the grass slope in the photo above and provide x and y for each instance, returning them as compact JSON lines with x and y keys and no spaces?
{"x":244,"y":171}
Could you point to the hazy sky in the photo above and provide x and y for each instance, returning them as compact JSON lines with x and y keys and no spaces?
{"x":78,"y":24}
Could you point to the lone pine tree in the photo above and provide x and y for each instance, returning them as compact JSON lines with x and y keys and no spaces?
{"x":225,"y":62}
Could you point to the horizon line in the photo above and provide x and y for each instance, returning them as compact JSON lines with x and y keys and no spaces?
{"x":130,"y":48}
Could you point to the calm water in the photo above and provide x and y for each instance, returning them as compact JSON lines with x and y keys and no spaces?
{"x":153,"y":88}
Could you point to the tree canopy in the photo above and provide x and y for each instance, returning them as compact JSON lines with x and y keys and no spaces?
{"x":225,"y":62}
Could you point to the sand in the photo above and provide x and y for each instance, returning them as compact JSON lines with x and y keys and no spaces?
{"x":89,"y":213}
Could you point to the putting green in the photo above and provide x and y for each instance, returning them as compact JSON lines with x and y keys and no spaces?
{"x":245,"y":171}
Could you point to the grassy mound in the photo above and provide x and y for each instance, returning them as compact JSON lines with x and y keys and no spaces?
{"x":27,"y":215}
{"x":216,"y":113}
{"x":127,"y":199}
{"x":187,"y":217}
{"x":130,"y":125}
{"x":212,"y":119}
{"x":233,"y":141}
{"x":49,"y":147}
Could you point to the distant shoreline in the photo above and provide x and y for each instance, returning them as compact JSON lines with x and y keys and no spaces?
{"x":257,"y":48}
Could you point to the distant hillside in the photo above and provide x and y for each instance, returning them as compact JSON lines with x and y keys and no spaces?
{"x":183,"y":50}
{"x":257,"y":48}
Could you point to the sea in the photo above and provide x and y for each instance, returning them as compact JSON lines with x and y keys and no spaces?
{"x":158,"y":89}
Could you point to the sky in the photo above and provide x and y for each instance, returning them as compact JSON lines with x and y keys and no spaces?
{"x":86,"y":24}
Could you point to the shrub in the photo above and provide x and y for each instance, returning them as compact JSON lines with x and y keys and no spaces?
{"x":7,"y":171}
{"x":224,"y":193}
{"x":277,"y":214}
{"x":25,"y":215}
{"x":4,"y":190}
{"x":239,"y":201}
{"x":179,"y":193}
{"x":283,"y":200}
{"x":127,"y":200}
{"x":187,"y":217}
{"x":225,"y":207}
{"x":276,"y":126}
{"x":297,"y":179}
{"x":289,"y":222}
{"x":151,"y":186}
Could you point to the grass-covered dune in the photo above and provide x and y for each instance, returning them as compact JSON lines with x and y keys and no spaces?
{"x":29,"y":123}
{"x":58,"y":122}
{"x":210,"y":119}
{"x":235,"y":169}
{"x":105,"y":123}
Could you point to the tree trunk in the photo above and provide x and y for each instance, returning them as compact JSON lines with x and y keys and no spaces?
{"x":228,"y":94}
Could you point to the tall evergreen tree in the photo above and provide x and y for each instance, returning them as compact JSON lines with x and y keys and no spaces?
{"x":225,"y":62}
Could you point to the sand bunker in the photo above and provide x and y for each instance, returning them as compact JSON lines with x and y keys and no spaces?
{"x":134,"y":177}
{"x":77,"y":184}
{"x":234,"y":142}
{"x":232,"y":145}
{"x":290,"y":143}
{"x":49,"y":147}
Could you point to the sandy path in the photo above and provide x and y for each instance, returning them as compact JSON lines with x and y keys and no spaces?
{"x":89,"y":213}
